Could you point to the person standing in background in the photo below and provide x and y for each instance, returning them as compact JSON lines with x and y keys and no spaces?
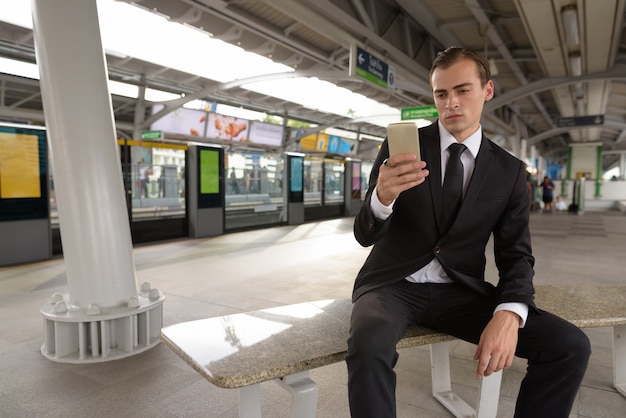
{"x":548,"y":194}
{"x":144,"y":172}
{"x":234,"y":182}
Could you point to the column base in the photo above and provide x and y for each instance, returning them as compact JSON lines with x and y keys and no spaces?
{"x":95,"y":335}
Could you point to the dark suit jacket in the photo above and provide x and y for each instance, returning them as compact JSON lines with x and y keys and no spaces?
{"x":496,"y":201}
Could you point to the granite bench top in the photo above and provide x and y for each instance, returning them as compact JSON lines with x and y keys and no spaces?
{"x":243,"y":349}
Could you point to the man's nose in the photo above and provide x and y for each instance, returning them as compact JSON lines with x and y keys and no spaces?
{"x":452,"y":102}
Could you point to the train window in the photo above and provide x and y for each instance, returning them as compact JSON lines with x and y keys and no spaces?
{"x":254,"y":189}
{"x":366,"y":170}
{"x":313,"y":181}
{"x":334,"y":182}
{"x":157,"y":181}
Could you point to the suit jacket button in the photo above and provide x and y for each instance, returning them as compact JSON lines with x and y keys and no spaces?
{"x":437,"y":249}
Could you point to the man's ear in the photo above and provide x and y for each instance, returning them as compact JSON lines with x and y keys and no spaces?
{"x":489,"y":90}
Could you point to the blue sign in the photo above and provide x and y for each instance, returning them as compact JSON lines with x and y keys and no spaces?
{"x":373,"y":69}
{"x":580,"y":121}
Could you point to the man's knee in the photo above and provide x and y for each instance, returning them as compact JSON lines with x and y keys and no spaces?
{"x":556,"y":340}
{"x":573,"y":348}
{"x":372,"y":335}
{"x":580,"y":349}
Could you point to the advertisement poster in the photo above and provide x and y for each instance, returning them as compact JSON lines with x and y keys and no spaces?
{"x":19,"y":166}
{"x":180,"y":121}
{"x":307,"y":142}
{"x":295,"y":184}
{"x":227,"y":128}
{"x":327,"y":143}
{"x":322,"y":142}
{"x":340,"y":145}
{"x":266,"y":134}
{"x":209,"y":172}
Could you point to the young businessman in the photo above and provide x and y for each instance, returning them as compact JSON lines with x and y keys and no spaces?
{"x":427,"y":264}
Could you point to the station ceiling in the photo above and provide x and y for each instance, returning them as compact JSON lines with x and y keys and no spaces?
{"x":555,"y":63}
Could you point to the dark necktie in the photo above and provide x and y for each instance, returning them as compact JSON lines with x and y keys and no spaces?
{"x":452,"y":193}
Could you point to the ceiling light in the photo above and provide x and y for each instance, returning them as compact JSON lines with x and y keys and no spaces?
{"x":493,"y":68}
{"x":580,"y":107}
{"x":576,"y":64}
{"x":578,"y":91}
{"x":570,"y":25}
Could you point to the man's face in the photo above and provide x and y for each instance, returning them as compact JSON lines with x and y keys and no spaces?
{"x":459,"y":97}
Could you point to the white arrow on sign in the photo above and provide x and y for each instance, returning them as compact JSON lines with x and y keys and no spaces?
{"x":361,"y":59}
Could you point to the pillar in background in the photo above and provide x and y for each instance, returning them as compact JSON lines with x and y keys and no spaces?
{"x":104,"y":315}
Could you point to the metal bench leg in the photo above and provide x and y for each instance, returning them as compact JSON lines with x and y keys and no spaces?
{"x":250,"y":401}
{"x":303,"y":394}
{"x":489,"y":396}
{"x":619,"y":358}
{"x":442,"y":387}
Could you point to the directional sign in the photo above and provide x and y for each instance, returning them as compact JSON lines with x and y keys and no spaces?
{"x":152,"y":135}
{"x":580,"y":121}
{"x":372,"y":68}
{"x":423,"y":112}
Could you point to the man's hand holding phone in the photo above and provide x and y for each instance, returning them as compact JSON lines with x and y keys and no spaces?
{"x":403,"y":169}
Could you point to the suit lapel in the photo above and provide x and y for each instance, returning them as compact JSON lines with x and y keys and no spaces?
{"x":430,"y":146}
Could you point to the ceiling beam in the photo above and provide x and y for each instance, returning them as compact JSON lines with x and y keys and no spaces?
{"x":558,"y":131}
{"x":617,"y":73}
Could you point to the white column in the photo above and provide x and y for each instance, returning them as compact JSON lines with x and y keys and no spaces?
{"x":95,"y":229}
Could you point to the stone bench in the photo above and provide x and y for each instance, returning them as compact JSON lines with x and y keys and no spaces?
{"x":283,"y":343}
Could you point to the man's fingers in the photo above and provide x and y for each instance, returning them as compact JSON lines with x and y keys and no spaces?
{"x":483,"y":362}
{"x":400,"y":159}
{"x":488,"y":365}
{"x":395,"y":179}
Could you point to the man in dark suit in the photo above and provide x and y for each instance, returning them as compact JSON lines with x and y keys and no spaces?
{"x":422,"y":271}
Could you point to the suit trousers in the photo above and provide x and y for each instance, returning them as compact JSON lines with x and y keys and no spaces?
{"x":557,"y":351}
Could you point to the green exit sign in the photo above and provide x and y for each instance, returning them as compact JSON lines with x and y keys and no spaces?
{"x":423,"y":112}
{"x":152,"y":135}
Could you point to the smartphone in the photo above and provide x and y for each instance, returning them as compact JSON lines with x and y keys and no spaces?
{"x":403,"y":138}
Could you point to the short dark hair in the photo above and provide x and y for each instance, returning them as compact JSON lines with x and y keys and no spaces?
{"x":454,"y":54}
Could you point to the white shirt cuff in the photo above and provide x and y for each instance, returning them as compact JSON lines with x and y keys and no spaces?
{"x":379,"y":210}
{"x":521,"y":309}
